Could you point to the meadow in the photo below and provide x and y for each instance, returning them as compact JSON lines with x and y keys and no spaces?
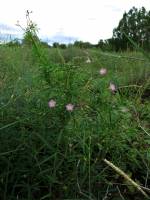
{"x":63,"y":114}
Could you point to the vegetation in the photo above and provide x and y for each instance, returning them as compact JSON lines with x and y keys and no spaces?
{"x":136,"y":25}
{"x":69,"y":114}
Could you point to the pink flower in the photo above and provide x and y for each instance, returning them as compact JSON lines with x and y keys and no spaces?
{"x":112,"y":87}
{"x":69,"y":107}
{"x":103,"y":71}
{"x":52,"y":103}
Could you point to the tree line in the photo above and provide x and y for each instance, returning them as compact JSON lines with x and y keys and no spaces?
{"x":134,"y":26}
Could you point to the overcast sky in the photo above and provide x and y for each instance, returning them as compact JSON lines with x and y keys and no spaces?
{"x":86,"y":20}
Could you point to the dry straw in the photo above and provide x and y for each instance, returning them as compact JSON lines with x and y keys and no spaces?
{"x":119,"y":171}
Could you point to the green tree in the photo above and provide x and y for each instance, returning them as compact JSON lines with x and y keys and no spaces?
{"x":61,"y":46}
{"x":55,"y":44}
{"x":136,"y":25}
{"x":14,"y":43}
{"x":83,"y":45}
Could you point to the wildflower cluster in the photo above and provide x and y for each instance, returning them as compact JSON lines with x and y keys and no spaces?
{"x":70,"y":107}
{"x":52,"y":104}
{"x":112,"y":86}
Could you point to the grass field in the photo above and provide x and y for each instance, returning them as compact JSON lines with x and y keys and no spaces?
{"x":50,"y":151}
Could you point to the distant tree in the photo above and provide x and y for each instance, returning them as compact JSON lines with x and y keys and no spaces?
{"x":14,"y":43}
{"x":81,"y":44}
{"x":55,"y":44}
{"x":101,"y":44}
{"x":45,"y":44}
{"x":63,"y":46}
{"x":78,"y":44}
{"x":136,"y":25}
{"x":106,"y":45}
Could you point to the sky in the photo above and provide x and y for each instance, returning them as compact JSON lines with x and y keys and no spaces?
{"x":86,"y":20}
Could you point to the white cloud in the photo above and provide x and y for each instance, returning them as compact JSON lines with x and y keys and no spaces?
{"x":88,"y":20}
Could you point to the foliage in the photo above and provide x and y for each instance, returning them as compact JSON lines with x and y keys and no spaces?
{"x":135,"y":24}
{"x":30,"y":31}
{"x":82,"y":45}
{"x":57,"y":45}
{"x":14,"y":43}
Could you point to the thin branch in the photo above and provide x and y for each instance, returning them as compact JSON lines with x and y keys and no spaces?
{"x":119,"y":171}
{"x":8,"y":125}
{"x":147,"y":174}
{"x":106,"y":195}
{"x":120,"y":193}
{"x":123,"y":184}
{"x":127,"y":86}
{"x":138,"y":121}
{"x":144,"y":130}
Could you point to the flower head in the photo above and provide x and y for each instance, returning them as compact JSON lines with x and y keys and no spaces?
{"x":112,"y":87}
{"x":52,"y":103}
{"x":88,"y":60}
{"x":103,"y":71}
{"x":69,"y":107}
